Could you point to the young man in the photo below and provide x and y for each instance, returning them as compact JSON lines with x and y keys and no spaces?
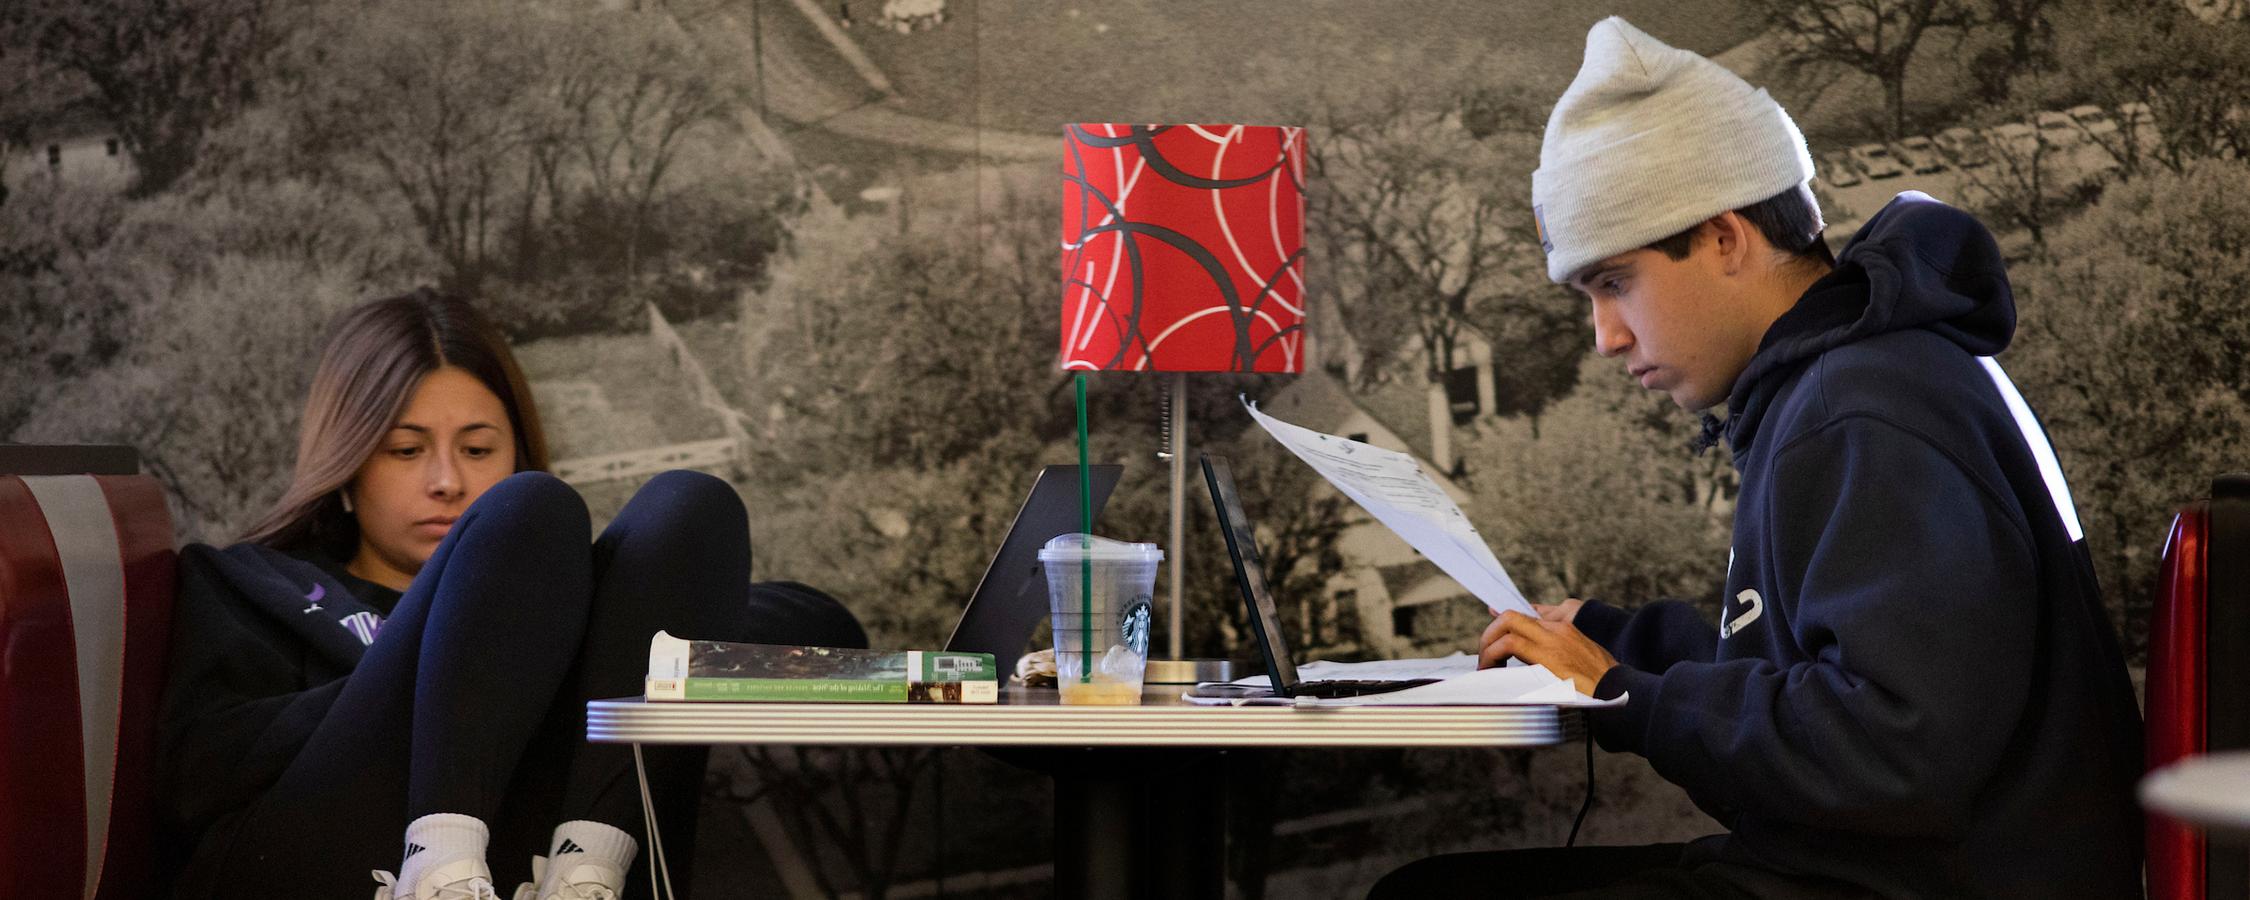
{"x":1913,"y":690}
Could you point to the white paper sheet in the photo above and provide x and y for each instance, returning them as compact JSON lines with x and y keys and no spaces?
{"x":1454,"y":664}
{"x":1377,"y":670}
{"x":1505,"y":686}
{"x":1392,"y":487}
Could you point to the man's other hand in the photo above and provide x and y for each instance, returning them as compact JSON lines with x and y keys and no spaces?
{"x":1565,"y":612}
{"x":1554,"y":643}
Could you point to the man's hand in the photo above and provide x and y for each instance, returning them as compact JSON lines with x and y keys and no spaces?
{"x":1565,"y":612}
{"x":1550,"y":641}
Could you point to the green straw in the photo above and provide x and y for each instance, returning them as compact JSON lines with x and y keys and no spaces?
{"x":1085,"y":560}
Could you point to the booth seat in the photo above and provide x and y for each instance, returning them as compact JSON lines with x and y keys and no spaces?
{"x":2199,"y":678}
{"x":86,"y":590}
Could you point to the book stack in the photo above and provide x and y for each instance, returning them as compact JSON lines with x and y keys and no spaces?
{"x":775,"y":673}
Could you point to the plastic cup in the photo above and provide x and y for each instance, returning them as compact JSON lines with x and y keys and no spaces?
{"x":1101,"y":637}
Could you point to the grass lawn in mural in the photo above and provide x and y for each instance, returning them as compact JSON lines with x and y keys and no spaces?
{"x":1029,"y":66}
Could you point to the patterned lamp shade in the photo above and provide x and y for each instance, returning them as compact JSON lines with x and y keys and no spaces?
{"x":1183,"y":248}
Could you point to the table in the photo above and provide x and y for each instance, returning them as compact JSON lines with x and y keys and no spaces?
{"x":1145,"y":790}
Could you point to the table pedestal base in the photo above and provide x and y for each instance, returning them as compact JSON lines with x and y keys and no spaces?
{"x":1141,"y":824}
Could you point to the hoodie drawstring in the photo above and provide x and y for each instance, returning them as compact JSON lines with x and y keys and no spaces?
{"x":1709,"y":436}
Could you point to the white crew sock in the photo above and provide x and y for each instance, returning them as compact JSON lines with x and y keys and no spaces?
{"x":580,"y":843}
{"x":435,"y":840}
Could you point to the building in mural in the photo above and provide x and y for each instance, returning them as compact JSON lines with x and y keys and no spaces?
{"x":82,"y":150}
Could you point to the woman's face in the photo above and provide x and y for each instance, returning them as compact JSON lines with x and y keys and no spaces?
{"x":453,"y":441}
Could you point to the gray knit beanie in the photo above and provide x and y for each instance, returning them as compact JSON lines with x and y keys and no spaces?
{"x":1648,"y":141}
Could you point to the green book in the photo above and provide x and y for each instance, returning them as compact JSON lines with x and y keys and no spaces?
{"x":778,"y":673}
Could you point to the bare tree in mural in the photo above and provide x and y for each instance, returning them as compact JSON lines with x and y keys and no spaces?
{"x":2029,"y":32}
{"x":1421,"y":216}
{"x":38,"y":93}
{"x":640,"y":88}
{"x":1875,"y":37}
{"x":2028,"y":44}
{"x":1298,"y":539}
{"x":540,"y":158}
{"x":868,"y":313}
{"x":1422,"y":224}
{"x":435,"y":103}
{"x":854,"y":800}
{"x":2029,"y":183}
{"x":2132,"y":332}
{"x":224,"y":443}
{"x":53,"y":326}
{"x":2186,"y":74}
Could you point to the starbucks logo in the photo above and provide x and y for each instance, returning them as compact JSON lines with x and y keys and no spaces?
{"x":1132,"y":625}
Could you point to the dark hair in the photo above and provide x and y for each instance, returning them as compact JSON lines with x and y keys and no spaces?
{"x":376,"y":353}
{"x":1789,"y":220}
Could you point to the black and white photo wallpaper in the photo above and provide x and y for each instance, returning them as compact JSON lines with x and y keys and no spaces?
{"x":812,"y":247}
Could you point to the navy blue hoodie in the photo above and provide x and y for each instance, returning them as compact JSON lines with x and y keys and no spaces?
{"x":261,"y":643}
{"x":1914,"y":687}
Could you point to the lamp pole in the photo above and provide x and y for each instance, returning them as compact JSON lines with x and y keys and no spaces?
{"x":1177,"y":412}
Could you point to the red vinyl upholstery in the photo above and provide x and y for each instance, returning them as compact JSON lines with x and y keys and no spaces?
{"x":2175,"y":696}
{"x":86,"y":587}
{"x":2198,"y":679}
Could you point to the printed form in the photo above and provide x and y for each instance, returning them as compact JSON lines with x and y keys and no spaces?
{"x":1392,"y":487}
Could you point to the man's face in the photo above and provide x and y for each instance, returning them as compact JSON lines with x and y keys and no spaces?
{"x":1672,"y":321}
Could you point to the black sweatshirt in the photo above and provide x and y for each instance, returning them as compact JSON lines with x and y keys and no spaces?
{"x":1915,"y":686}
{"x":261,"y":643}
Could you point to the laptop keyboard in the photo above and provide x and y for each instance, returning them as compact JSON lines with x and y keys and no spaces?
{"x":1329,"y":690}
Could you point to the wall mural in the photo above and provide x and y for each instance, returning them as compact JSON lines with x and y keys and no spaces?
{"x":811,"y":246}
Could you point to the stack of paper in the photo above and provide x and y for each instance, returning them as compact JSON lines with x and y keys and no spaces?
{"x":1460,"y":683}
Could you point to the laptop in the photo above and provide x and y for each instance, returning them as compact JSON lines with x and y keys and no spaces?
{"x":1011,"y":599}
{"x":1264,"y":617}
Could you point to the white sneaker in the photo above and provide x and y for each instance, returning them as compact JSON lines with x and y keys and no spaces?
{"x":529,"y":890}
{"x":588,"y":880}
{"x":461,"y":879}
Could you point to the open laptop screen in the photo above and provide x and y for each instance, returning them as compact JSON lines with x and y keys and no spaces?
{"x":1250,"y":573}
{"x":1011,"y":600}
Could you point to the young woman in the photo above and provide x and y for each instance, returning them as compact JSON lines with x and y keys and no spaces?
{"x":406,"y":643}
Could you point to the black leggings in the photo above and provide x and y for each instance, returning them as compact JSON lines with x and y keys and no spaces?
{"x":472,"y":698}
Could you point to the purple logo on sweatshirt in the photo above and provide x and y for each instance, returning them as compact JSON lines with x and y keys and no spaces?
{"x":362,"y":625}
{"x":312,"y":600}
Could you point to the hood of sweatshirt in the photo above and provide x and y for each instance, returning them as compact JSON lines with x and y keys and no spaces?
{"x":316,"y":604}
{"x":1917,"y":264}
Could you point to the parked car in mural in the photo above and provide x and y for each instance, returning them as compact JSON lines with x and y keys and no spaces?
{"x":1875,"y":160}
{"x":1964,"y":147}
{"x":2058,"y":130}
{"x":1920,"y":155}
{"x":1837,"y":171}
{"x":2013,"y":138}
{"x":2094,"y":119}
{"x":2138,"y":123}
{"x":2137,"y":118}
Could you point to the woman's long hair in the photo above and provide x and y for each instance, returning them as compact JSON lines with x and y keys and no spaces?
{"x":375,"y":355}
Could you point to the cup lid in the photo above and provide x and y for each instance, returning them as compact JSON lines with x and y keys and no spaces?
{"x":1077,"y":546}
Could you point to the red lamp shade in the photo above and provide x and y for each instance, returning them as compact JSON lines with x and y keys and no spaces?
{"x":1183,"y":248}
